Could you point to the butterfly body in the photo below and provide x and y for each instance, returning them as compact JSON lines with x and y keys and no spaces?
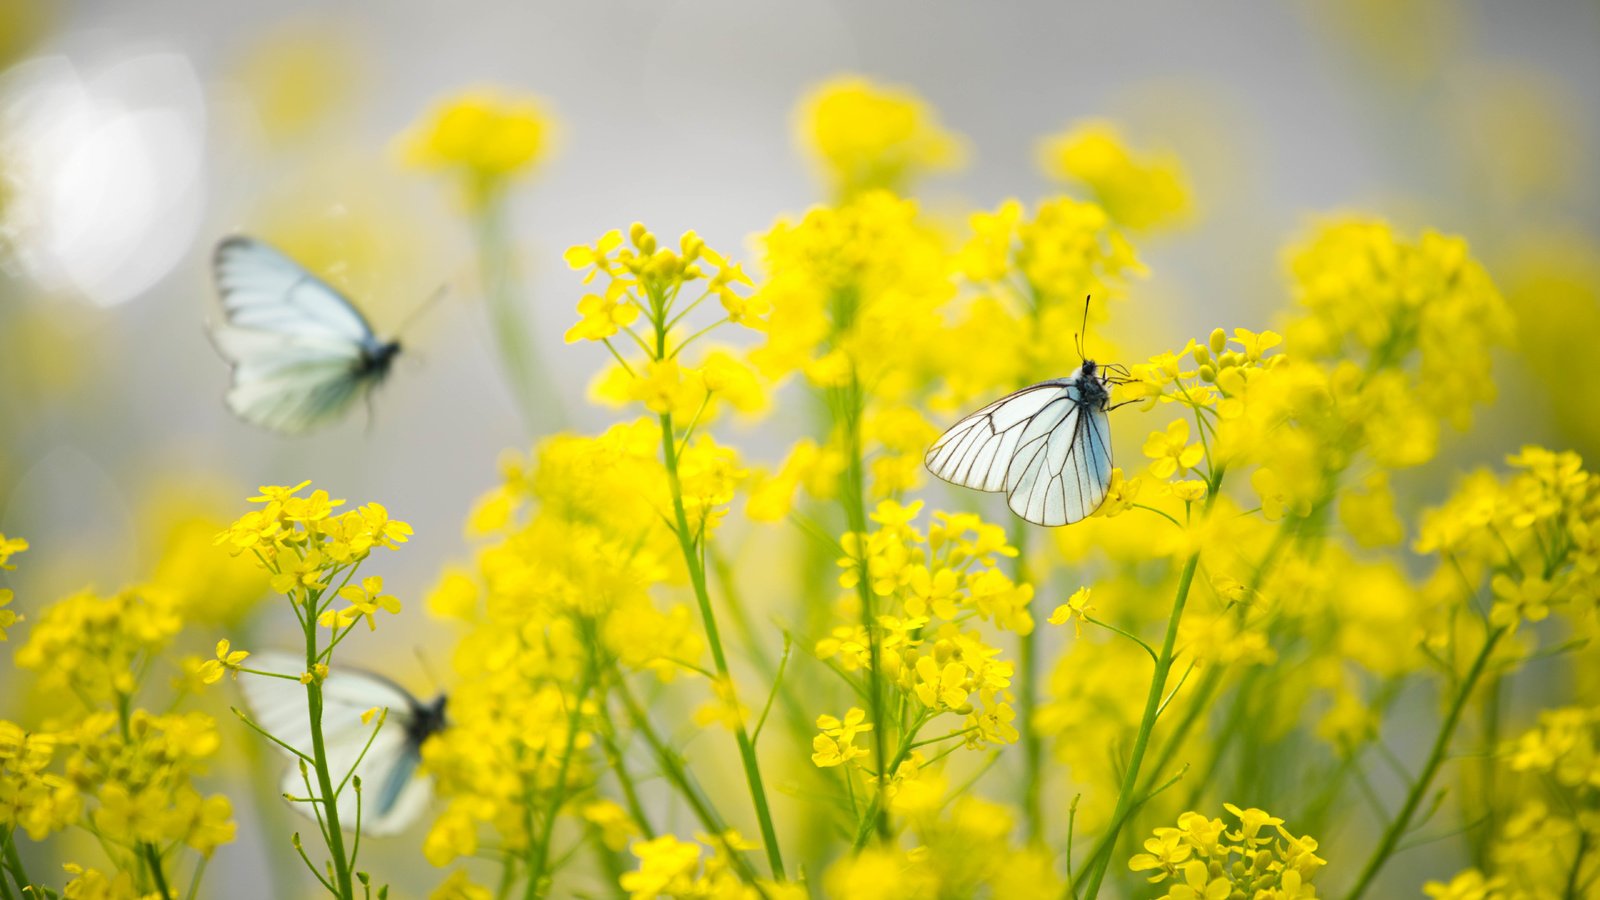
{"x":301,"y":352}
{"x":1047,"y":447}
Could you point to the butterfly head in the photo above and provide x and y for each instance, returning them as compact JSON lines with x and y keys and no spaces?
{"x":376,"y":359}
{"x":427,"y":719}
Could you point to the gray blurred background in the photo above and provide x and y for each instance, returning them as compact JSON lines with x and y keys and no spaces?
{"x":149,"y":132}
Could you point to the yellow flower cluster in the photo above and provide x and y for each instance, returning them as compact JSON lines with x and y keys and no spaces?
{"x":31,"y":797}
{"x":92,"y":644}
{"x":1032,"y":274}
{"x":926,"y":585}
{"x":1208,"y":860}
{"x":1532,"y":534}
{"x":139,"y":772}
{"x":1421,"y":312}
{"x":563,"y":589}
{"x":306,"y":547}
{"x":482,"y":138}
{"x":869,"y":137}
{"x":855,"y":291}
{"x":669,"y":867}
{"x":964,"y":849}
{"x":9,"y":547}
{"x":1140,"y":192}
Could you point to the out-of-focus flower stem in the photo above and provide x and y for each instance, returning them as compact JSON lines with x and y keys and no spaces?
{"x":1128,"y":795}
{"x":673,"y":770}
{"x":697,"y":576}
{"x":1028,"y":701}
{"x":13,"y":863}
{"x":541,"y":849}
{"x":507,"y":316}
{"x":850,"y":406}
{"x":149,"y":857}
{"x":1424,"y":780}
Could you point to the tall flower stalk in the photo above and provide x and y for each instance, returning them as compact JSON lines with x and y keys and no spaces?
{"x":313,"y":554}
{"x":483,"y":140}
{"x":647,"y":279}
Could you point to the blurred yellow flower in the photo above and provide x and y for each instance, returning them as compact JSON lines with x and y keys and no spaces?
{"x":1140,"y":192}
{"x":868,"y":136}
{"x":483,"y":137}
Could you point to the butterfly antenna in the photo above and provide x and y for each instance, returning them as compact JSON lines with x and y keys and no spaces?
{"x":427,"y":668}
{"x":1084,"y":330}
{"x":419,"y":309}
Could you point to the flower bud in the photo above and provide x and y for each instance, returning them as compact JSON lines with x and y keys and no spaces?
{"x":1207,"y":373}
{"x":1219,"y":340}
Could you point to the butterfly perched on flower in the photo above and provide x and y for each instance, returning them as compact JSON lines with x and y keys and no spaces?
{"x":301,"y":352}
{"x":1046,"y":446}
{"x":393,"y":795}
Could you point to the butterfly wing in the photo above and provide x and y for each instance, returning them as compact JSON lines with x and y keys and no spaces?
{"x":977,"y":452}
{"x":1062,"y":471}
{"x":264,"y":290}
{"x":299,"y":349}
{"x":391,"y":796}
{"x":1043,"y":446}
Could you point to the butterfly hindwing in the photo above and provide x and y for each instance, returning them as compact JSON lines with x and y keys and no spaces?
{"x":391,"y":795}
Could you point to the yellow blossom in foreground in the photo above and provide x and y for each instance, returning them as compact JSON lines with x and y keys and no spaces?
{"x":228,"y":660}
{"x":1076,"y":609}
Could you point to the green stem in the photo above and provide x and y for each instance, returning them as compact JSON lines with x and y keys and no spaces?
{"x":855,"y":504}
{"x":630,"y":792}
{"x":333,"y":833}
{"x":14,"y":865}
{"x":697,"y":577}
{"x":152,"y":858}
{"x":672,"y":769}
{"x":1419,"y":788}
{"x":1028,"y":703}
{"x":497,"y":271}
{"x":1126,"y":794}
{"x":541,"y":852}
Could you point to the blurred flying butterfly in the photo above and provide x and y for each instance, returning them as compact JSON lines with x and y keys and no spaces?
{"x":1047,"y":446}
{"x":301,"y":352}
{"x":392,"y":794}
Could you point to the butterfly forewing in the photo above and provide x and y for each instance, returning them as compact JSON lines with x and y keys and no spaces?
{"x":265,"y":290}
{"x":300,"y":351}
{"x":977,"y":450}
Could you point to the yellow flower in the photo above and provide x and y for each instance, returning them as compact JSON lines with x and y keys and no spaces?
{"x":836,"y":743}
{"x":602,"y":316}
{"x":1076,"y":608}
{"x":365,"y":602}
{"x":9,"y":547}
{"x":228,"y":660}
{"x":1140,"y":192}
{"x":868,"y":136}
{"x":941,"y":686}
{"x":1171,"y":451}
{"x":8,"y":617}
{"x":483,"y":137}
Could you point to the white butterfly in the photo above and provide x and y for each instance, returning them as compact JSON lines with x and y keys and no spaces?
{"x":392,"y":794}
{"x":300,"y":351}
{"x":1047,"y":446}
